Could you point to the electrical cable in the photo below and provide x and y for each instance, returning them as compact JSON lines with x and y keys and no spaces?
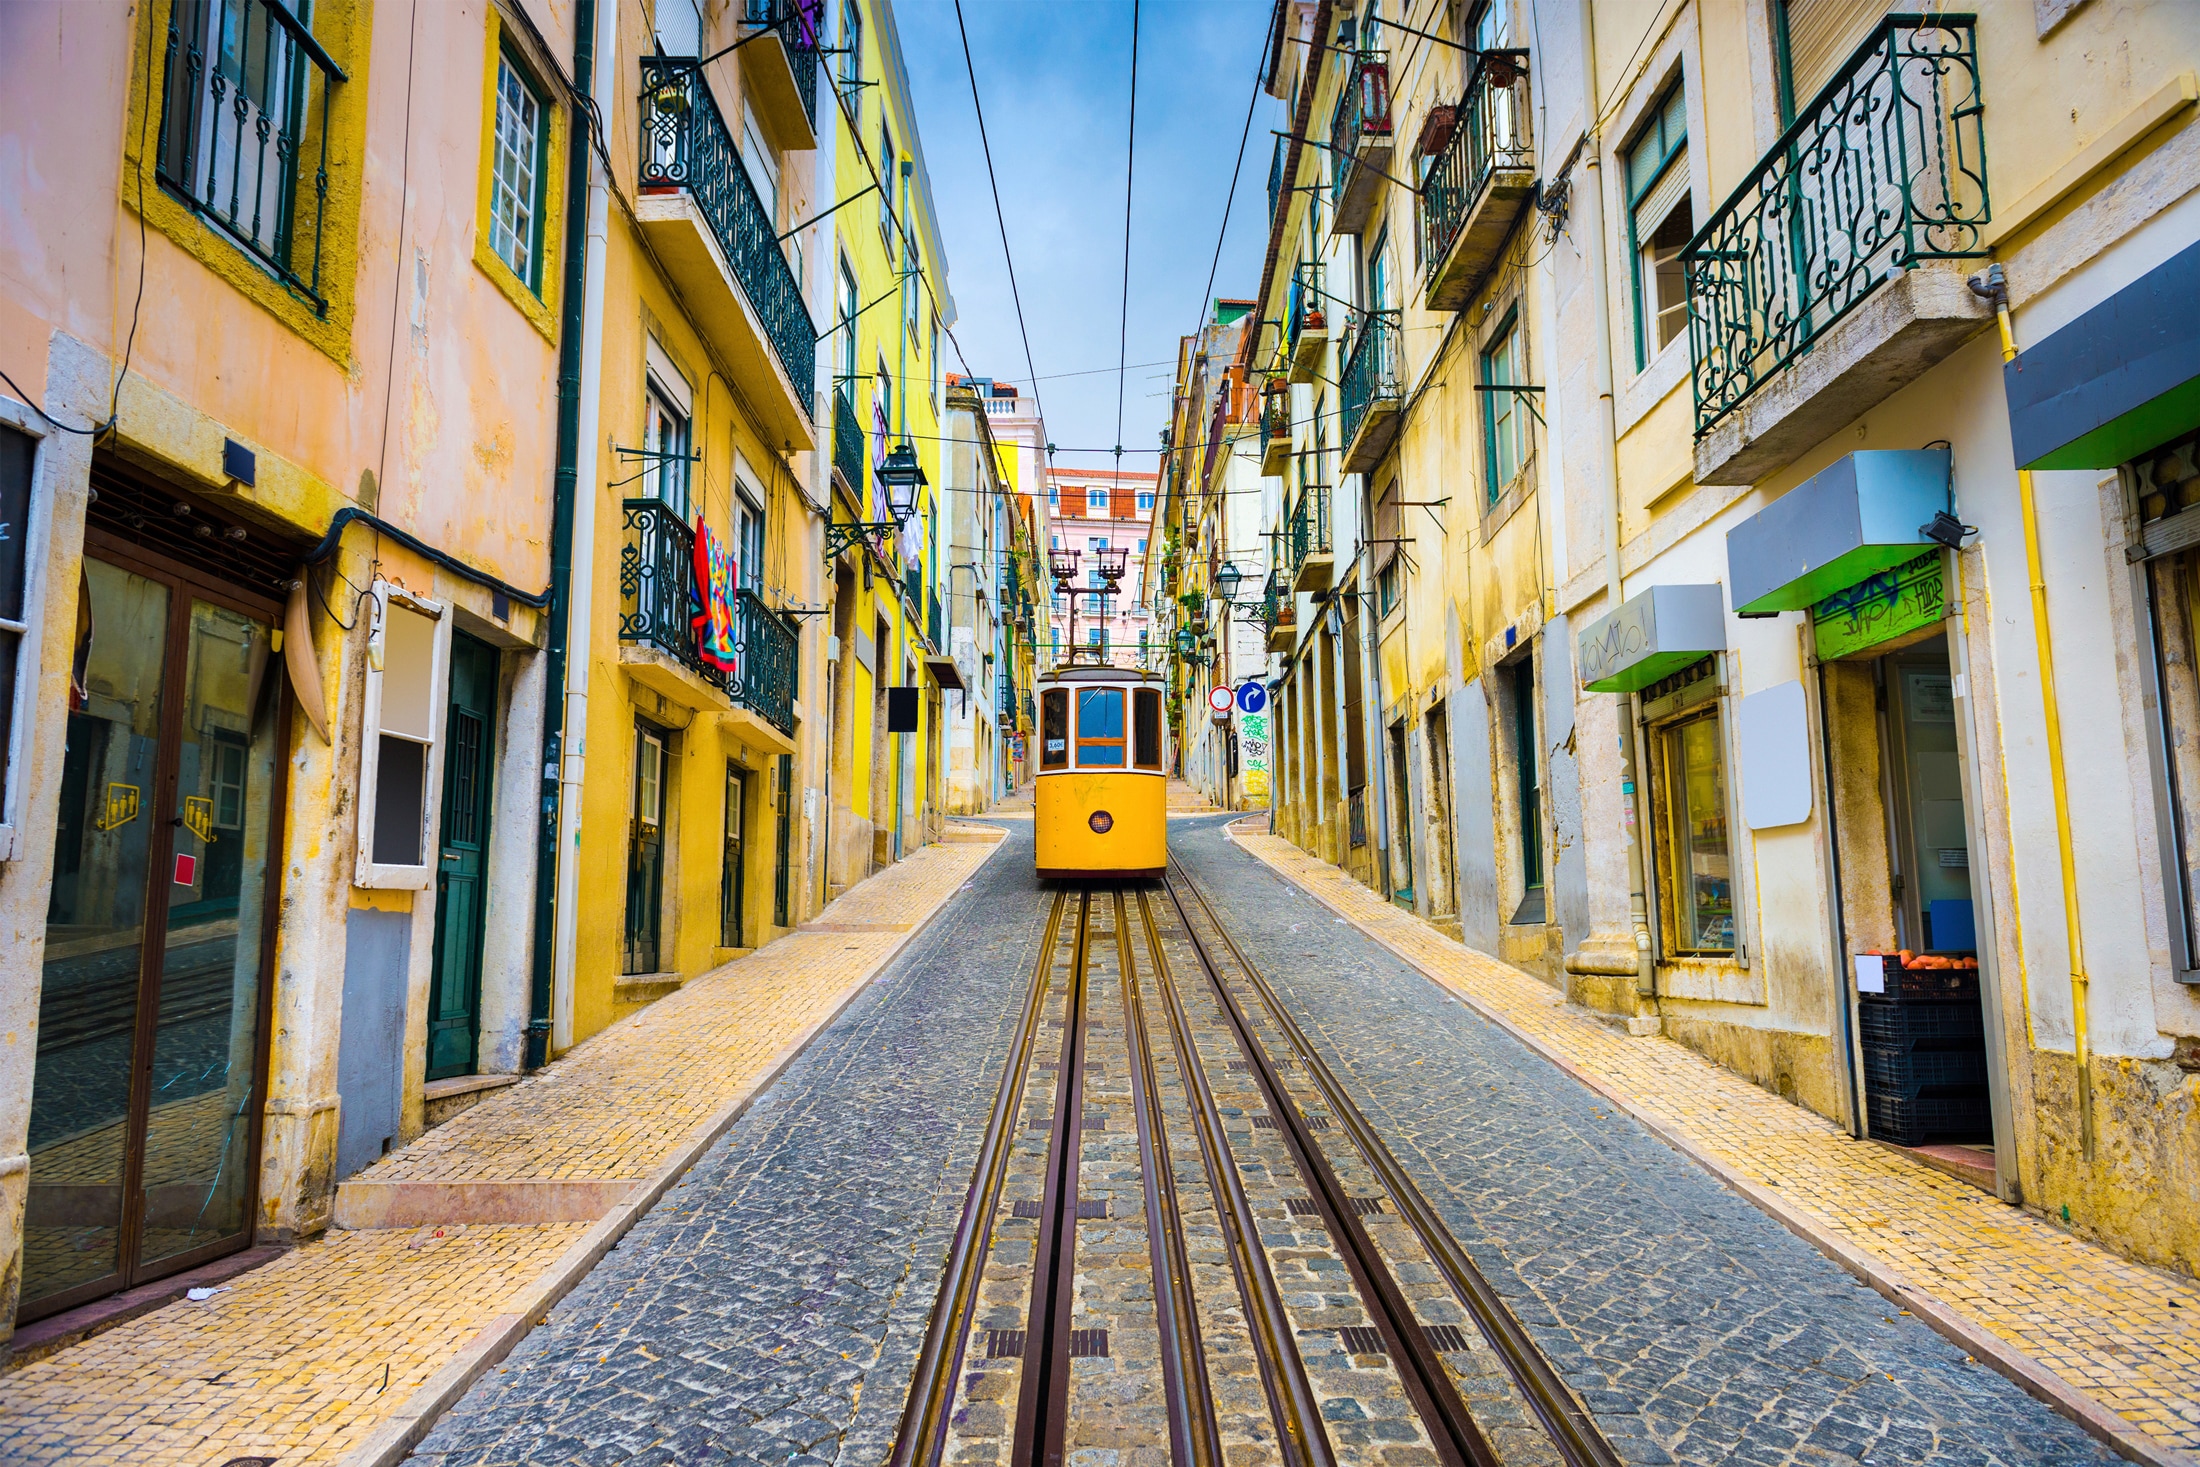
{"x":1130,"y":175}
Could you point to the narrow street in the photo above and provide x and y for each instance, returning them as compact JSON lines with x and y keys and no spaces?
{"x":775,"y":1305}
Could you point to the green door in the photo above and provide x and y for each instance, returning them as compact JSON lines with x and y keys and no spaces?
{"x":454,"y":1000}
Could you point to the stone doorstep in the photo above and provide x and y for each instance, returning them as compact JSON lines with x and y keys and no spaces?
{"x":361,"y":1205}
{"x":645,"y":987}
{"x":442,"y":1099}
{"x":1964,"y":1163}
{"x":48,"y":1336}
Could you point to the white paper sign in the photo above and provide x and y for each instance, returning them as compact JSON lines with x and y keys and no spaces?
{"x":1871,"y":973}
{"x":1773,"y":730}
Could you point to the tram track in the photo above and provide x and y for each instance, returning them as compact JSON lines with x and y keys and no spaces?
{"x":1124,"y":1288}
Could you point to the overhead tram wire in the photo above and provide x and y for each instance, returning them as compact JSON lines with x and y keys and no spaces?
{"x":1130,"y":175}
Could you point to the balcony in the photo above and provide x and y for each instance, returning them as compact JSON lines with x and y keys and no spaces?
{"x":780,"y":65}
{"x":1359,"y":141}
{"x":1275,"y":429}
{"x":657,"y":641}
{"x":1306,"y":321}
{"x":1280,"y":610}
{"x":1371,"y":392}
{"x":1818,"y":289}
{"x":1481,"y":175}
{"x":706,"y":225}
{"x":1306,"y":548}
{"x":851,"y":455}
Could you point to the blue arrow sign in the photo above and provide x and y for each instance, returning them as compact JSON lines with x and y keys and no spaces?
{"x":1251,"y":697}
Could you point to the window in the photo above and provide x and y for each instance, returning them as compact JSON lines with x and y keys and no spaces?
{"x":18,"y":673}
{"x":1660,"y":221}
{"x":1145,"y":502}
{"x":1504,"y":417}
{"x":886,"y":170}
{"x":911,"y":279}
{"x":935,"y":359}
{"x":1146,"y":721}
{"x":515,"y":184}
{"x":405,"y":712}
{"x":1529,"y":794}
{"x":1054,"y":728}
{"x":851,"y":53}
{"x":1054,"y":542}
{"x":645,"y":854}
{"x":1100,"y":722}
{"x":850,"y":303}
{"x":1054,"y":496}
{"x":1378,"y":273}
{"x":679,"y":27}
{"x":1094,"y":544}
{"x":1097,"y":499}
{"x":1389,"y":532}
{"x":665,"y":439}
{"x":761,"y":163}
{"x":748,"y":539}
{"x":1689,"y":812}
{"x":1141,"y":547}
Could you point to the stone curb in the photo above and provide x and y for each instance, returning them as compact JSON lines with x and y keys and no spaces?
{"x":1976,"y":1340}
{"x":392,"y":1441}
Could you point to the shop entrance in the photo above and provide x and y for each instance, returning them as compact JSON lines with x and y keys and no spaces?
{"x":1911,"y":919}
{"x":144,"y":1132}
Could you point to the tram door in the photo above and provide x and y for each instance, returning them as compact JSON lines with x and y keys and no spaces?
{"x":144,"y":1113}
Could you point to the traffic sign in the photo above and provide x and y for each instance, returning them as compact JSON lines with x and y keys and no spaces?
{"x":1251,"y":697}
{"x":1220,"y":700}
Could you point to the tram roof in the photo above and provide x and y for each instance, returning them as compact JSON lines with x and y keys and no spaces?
{"x":1099,"y":675}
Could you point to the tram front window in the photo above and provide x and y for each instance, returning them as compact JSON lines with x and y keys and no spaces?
{"x":1147,"y":721}
{"x":1100,"y":728}
{"x":1054,"y":729}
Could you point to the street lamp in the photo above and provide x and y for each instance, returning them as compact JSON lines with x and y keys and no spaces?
{"x":1227,"y":579}
{"x":902,"y":477}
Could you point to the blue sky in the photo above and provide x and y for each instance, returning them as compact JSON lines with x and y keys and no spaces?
{"x":1055,"y":78}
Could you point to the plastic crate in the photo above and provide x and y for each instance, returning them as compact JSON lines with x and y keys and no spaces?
{"x":1920,"y":1070}
{"x":1921,"y":1120}
{"x":1904,"y":1021}
{"x":1909,"y":985}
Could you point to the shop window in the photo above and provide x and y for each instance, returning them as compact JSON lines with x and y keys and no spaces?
{"x":2167,"y":482}
{"x":1690,"y":834}
{"x":1660,"y":221}
{"x":1100,"y":724}
{"x":403,"y":716}
{"x":18,"y":459}
{"x":1529,"y":802}
{"x":1054,"y":729}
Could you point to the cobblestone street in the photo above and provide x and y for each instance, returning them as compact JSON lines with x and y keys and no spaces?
{"x":772,"y":1307}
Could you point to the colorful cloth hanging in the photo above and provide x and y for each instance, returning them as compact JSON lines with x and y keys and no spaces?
{"x":714,"y":584}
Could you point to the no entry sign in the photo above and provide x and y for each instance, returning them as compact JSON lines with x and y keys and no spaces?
{"x":1221,"y":700}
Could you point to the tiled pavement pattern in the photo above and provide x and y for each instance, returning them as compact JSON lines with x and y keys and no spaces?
{"x":769,"y":1308}
{"x":302,"y":1358}
{"x":1697,"y":1328}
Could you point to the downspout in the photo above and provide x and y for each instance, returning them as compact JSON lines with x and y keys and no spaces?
{"x":1996,"y":289}
{"x":581,"y":596}
{"x":1638,"y":905}
{"x":564,"y":494}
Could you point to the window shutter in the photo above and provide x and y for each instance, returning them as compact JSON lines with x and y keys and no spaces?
{"x":1670,"y":189}
{"x":400,"y":765}
{"x":1820,"y":36}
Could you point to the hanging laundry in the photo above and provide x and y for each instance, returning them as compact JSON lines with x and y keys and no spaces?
{"x":714,"y":583}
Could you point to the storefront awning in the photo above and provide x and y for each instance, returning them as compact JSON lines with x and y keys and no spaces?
{"x":1651,"y":635}
{"x":2112,"y":384}
{"x":1860,"y":515}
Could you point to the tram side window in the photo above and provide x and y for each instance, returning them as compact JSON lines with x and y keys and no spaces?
{"x":1100,"y":728}
{"x":1054,"y":729}
{"x":1146,"y":728}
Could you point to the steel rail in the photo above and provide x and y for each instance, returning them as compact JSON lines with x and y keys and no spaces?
{"x":922,"y":1435}
{"x":1568,"y":1423}
{"x":1042,"y":1406}
{"x":1452,"y":1430}
{"x":1195,"y":1438}
{"x":1300,"y":1435}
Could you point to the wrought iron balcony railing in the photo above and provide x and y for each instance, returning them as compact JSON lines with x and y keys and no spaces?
{"x":1275,"y":427}
{"x":685,"y":145}
{"x":1370,"y":369}
{"x":1884,"y":168}
{"x":799,"y":23}
{"x":1489,"y":131}
{"x":850,"y":452}
{"x":1362,"y":113}
{"x":1306,"y":320}
{"x":1307,"y":533}
{"x":658,"y":604}
{"x":244,"y":128}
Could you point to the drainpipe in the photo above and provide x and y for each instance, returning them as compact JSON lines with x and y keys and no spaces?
{"x":547,"y":865}
{"x":1994,"y":286}
{"x":1638,"y":905}
{"x":581,"y":596}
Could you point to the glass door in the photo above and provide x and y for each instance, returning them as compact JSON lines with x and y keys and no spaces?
{"x":144,"y":1117}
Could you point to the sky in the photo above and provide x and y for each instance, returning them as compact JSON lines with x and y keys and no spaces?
{"x":1054,"y":76}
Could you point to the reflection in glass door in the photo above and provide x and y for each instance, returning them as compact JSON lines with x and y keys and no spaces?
{"x":149,"y":1053}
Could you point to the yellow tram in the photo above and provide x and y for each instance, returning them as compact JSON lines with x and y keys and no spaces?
{"x":1101,"y":795}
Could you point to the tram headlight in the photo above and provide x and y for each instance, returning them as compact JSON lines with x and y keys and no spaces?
{"x":1101,"y":822}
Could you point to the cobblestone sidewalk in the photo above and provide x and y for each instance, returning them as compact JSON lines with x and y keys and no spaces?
{"x":2115,"y":1341}
{"x":302,"y":1360}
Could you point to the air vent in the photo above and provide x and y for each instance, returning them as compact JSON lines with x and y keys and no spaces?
{"x":1088,"y":1344}
{"x":1302,"y":1207}
{"x":1092,"y":1207}
{"x":1026,"y":1208}
{"x":1445,"y":1336}
{"x":1264,"y":1123}
{"x":1360,"y":1339}
{"x":1367,"y":1206}
{"x":1004,"y":1344}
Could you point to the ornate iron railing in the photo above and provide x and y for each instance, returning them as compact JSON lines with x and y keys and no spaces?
{"x":658,"y":604}
{"x":685,"y":145}
{"x":798,"y":23}
{"x":1308,"y":531}
{"x":1370,"y":369}
{"x":244,"y":131}
{"x":1363,"y":110}
{"x":851,"y":454}
{"x":1307,"y":304}
{"x":1884,"y":168}
{"x":1489,"y":130}
{"x":1275,"y":419}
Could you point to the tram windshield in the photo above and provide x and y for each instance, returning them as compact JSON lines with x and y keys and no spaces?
{"x":1100,"y":728}
{"x":1054,"y":729}
{"x":1146,"y":727}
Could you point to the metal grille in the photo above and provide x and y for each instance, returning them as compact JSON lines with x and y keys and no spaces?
{"x":797,"y":24}
{"x":1092,"y":1207}
{"x":1004,"y":1344}
{"x":1360,"y":1339}
{"x":657,"y":605}
{"x":1088,"y":1344}
{"x":1363,"y":111}
{"x":783,"y":872}
{"x":1026,"y":1208}
{"x":1302,"y":1207}
{"x":1264,"y":1123}
{"x":1317,"y":1123}
{"x":1490,"y":131}
{"x":1367,"y":1206}
{"x":188,"y":529}
{"x":1370,"y":370}
{"x":1445,"y":1336}
{"x":462,"y":813}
